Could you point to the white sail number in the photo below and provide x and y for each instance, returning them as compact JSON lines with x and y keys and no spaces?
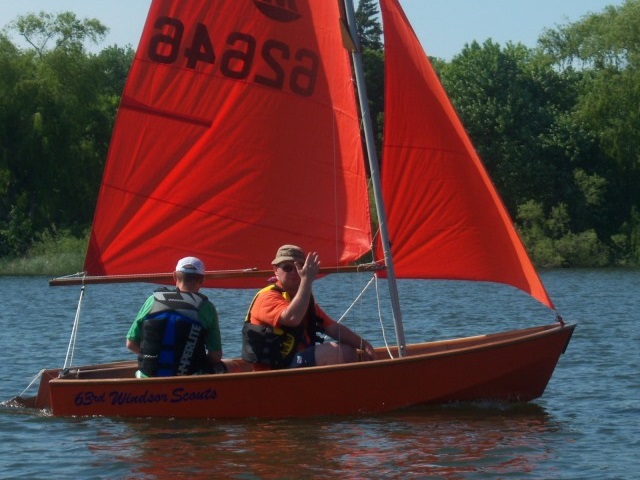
{"x":238,"y":60}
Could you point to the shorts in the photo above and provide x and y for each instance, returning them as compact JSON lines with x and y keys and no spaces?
{"x":304,"y":358}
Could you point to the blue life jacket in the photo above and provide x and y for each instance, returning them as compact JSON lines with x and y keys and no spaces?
{"x":173,"y":338}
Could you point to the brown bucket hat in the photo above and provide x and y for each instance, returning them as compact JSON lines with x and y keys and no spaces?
{"x":289,"y":253}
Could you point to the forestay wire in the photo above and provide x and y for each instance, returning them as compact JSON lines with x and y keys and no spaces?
{"x":33,"y":380}
{"x":74,"y":332}
{"x":72,"y":344}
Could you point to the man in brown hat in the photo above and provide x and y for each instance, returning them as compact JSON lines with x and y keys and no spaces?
{"x":282,"y":325}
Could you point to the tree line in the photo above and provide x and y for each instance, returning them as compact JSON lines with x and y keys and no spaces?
{"x":557,"y":127}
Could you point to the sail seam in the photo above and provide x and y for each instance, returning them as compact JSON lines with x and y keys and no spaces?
{"x":131,"y":104}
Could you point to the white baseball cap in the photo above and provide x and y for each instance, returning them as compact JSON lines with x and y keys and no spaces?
{"x":190,"y":265}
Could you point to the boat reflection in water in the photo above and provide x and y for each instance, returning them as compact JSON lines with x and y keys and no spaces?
{"x":421,"y":442}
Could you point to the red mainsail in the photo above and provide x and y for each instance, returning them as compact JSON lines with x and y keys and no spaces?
{"x":237,"y":132}
{"x":445,"y":218}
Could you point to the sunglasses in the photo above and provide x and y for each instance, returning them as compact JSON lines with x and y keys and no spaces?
{"x":287,"y":267}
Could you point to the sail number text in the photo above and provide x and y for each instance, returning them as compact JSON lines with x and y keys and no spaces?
{"x":279,"y":67}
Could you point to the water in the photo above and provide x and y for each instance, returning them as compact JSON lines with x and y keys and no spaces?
{"x":586,"y":426}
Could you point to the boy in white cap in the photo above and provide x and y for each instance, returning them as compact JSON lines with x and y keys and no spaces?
{"x":176,"y":331}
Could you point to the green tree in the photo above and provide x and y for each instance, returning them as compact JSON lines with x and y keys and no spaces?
{"x":370,"y":37}
{"x":511,"y":104}
{"x":519,"y":111}
{"x":57,"y":110}
{"x":368,"y":25}
{"x":602,"y":50}
{"x":551,"y":243}
{"x":15,"y":224}
{"x":64,"y":30}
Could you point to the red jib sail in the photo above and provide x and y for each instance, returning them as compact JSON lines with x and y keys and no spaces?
{"x":237,"y":133}
{"x":445,"y":217}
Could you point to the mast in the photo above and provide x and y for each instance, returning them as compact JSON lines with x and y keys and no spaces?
{"x":375,"y":176}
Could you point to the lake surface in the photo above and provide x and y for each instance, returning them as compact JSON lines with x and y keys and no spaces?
{"x":585,"y":426}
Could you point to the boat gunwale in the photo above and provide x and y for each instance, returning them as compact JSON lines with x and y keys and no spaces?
{"x":520,"y":336}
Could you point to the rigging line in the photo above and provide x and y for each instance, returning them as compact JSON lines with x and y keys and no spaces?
{"x":74,"y":333}
{"x":356,"y":299}
{"x":75,"y":275}
{"x":346,"y":312}
{"x":38,"y":375}
{"x":384,"y":336}
{"x":364,"y":289}
{"x":352,"y":305}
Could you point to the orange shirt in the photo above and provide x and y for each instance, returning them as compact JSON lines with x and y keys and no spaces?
{"x":269,"y":306}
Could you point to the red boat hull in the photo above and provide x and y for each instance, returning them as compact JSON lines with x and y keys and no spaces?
{"x":509,"y":367}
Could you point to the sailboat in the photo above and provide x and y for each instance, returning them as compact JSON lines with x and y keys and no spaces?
{"x":239,"y":130}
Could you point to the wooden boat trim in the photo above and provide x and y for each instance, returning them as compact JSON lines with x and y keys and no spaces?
{"x":444,"y":348}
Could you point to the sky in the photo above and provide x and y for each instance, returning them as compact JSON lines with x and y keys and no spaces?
{"x":443,"y":26}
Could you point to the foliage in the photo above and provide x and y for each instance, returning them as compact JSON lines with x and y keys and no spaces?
{"x":627,"y":242}
{"x":370,"y":38}
{"x":58,"y":108}
{"x":368,"y":25}
{"x":53,"y":253}
{"x":512,"y":104}
{"x":373,"y":61}
{"x":559,"y":125}
{"x":551,"y":243}
{"x":602,"y":53}
{"x":63,"y":29}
